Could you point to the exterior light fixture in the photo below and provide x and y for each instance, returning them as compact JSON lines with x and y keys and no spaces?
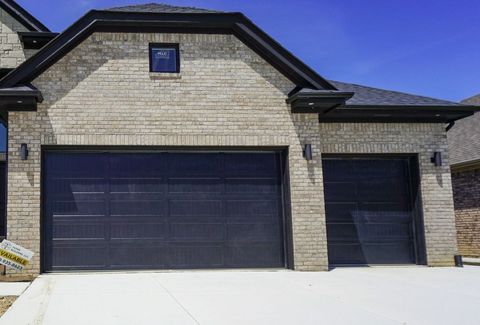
{"x":23,"y":151}
{"x":436,"y":159}
{"x":307,"y":152}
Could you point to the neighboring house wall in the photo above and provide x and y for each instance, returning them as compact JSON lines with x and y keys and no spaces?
{"x":466,"y":189}
{"x":11,"y":50}
{"x":464,"y":148}
{"x":226,"y":95}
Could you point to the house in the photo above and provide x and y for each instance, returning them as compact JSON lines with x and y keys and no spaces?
{"x":161,"y":137}
{"x":464,"y":146}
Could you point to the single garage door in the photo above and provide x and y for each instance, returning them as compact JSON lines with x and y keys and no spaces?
{"x":162,"y":210}
{"x":370,"y":211}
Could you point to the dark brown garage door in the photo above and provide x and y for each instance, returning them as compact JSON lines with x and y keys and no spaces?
{"x":370,"y":211}
{"x":162,"y":210}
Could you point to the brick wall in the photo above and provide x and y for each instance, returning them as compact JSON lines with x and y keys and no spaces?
{"x":102,"y":93}
{"x":11,"y":50}
{"x":466,"y":195}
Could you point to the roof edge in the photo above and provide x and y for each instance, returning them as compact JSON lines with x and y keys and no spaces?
{"x":456,"y":106}
{"x":23,"y":16}
{"x":465,"y":165}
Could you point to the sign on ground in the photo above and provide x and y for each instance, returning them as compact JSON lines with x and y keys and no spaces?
{"x":14,"y":256}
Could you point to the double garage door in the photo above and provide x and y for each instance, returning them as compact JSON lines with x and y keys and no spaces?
{"x":164,"y":210}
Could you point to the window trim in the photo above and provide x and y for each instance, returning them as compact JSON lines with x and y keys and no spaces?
{"x":175,"y":46}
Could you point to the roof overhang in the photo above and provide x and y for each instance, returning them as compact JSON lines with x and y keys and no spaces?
{"x":465,"y":165}
{"x":114,"y":21}
{"x":22,"y":98}
{"x":317,"y":101}
{"x":36,"y":40}
{"x":398,"y":114}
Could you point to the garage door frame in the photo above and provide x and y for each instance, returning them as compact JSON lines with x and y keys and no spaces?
{"x":415,"y":197}
{"x":284,"y":186}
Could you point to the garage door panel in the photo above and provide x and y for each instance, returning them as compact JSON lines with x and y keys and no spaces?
{"x":253,"y":232}
{"x":197,"y":256}
{"x":66,"y":187}
{"x":163,"y":210}
{"x":337,"y":171}
{"x":250,"y":165}
{"x":76,"y":165}
{"x":138,"y":230}
{"x":78,"y":197}
{"x":74,"y":229}
{"x":381,"y":168}
{"x":380,"y":190}
{"x":191,"y":231}
{"x":253,"y":255}
{"x":197,"y":208}
{"x":137,"y":185}
{"x":194,"y":185}
{"x":400,"y":207}
{"x":369,"y":214}
{"x":136,"y":165}
{"x":84,"y":256}
{"x":205,"y":164}
{"x":251,"y":186}
{"x":378,"y":232}
{"x":251,"y":208}
{"x":340,"y":211}
{"x":386,"y":253}
{"x":340,"y":191}
{"x":137,"y":207}
{"x":78,"y":208}
{"x":381,"y":213}
{"x":133,"y":255}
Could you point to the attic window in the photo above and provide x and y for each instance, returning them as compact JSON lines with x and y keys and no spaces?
{"x":164,"y":58}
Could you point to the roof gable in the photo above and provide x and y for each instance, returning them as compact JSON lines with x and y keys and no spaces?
{"x":23,"y":16}
{"x":127,"y":21}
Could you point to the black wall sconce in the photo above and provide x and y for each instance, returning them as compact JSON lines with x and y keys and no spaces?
{"x":307,"y":152}
{"x":23,"y":151}
{"x":437,"y":158}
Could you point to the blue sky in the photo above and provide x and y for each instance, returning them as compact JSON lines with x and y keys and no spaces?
{"x":427,"y":47}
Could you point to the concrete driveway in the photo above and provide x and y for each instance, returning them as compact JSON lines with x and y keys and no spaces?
{"x":416,"y":295}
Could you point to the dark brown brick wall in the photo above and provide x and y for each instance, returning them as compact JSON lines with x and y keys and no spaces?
{"x":466,"y":193}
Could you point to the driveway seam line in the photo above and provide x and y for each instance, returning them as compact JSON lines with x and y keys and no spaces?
{"x":178,"y":302}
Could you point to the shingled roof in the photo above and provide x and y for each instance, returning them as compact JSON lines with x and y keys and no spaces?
{"x":162,"y":8}
{"x":376,"y":97}
{"x":464,"y":137}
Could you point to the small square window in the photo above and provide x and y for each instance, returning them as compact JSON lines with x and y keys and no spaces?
{"x":164,"y":58}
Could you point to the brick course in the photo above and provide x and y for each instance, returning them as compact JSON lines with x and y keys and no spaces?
{"x":466,"y":195}
{"x":102,"y":93}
